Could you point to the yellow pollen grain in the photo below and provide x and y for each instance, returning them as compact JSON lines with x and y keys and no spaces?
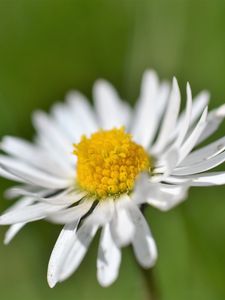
{"x":108,"y":162}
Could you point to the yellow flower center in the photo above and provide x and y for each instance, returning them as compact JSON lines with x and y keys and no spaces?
{"x":109,"y":162}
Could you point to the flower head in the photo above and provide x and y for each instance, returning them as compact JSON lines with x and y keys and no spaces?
{"x":93,"y":168}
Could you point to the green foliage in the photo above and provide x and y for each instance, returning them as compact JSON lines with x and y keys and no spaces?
{"x":49,"y":47}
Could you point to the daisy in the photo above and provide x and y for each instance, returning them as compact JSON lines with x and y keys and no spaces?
{"x":92,"y":169}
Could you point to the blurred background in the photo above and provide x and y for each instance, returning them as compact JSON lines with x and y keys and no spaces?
{"x":49,"y":47}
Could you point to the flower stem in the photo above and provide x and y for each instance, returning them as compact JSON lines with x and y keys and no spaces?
{"x":151,"y":288}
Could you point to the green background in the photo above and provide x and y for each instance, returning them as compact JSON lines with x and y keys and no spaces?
{"x":48,"y":47}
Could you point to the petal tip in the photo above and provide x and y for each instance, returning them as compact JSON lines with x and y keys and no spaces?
{"x":51,"y":280}
{"x":221,"y":111}
{"x":104,"y":284}
{"x":6,"y":241}
{"x":104,"y":280}
{"x":174,"y":81}
{"x":188,"y":88}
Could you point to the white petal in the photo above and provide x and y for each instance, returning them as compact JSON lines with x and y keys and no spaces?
{"x":65,"y":159}
{"x":169,"y":121}
{"x":214,"y":120}
{"x":165,"y":197}
{"x":141,"y":189}
{"x":177,"y":180}
{"x":31,"y":175}
{"x":199,"y":104}
{"x":109,"y":258}
{"x":71,"y":214}
{"x":171,"y":161}
{"x":145,"y":116}
{"x":103,"y":212}
{"x":12,"y":231}
{"x":28,"y":191}
{"x":201,"y":166}
{"x":165,"y":165}
{"x":51,"y":134}
{"x":60,"y":251}
{"x":68,"y":122}
{"x":207,"y":179}
{"x":186,"y":120}
{"x":27,"y":214}
{"x":204,"y":153}
{"x":193,"y":137}
{"x":111,"y":111}
{"x":15,"y":228}
{"x":22,"y":202}
{"x":7,"y":175}
{"x":82,"y":112}
{"x":143,"y":243}
{"x":64,"y":198}
{"x":121,"y":227}
{"x":84,"y":236}
{"x":27,"y":152}
{"x":162,"y":100}
{"x":47,"y":126}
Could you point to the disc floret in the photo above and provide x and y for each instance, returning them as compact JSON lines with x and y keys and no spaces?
{"x":108,"y":162}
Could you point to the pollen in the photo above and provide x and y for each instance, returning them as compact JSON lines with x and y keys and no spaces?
{"x":109,"y":162}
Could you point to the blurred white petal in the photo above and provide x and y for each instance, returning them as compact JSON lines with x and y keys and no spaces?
{"x":32,"y":175}
{"x":143,"y":125}
{"x":190,"y":143}
{"x":169,"y":120}
{"x":60,"y":251}
{"x":143,"y":243}
{"x":109,"y":258}
{"x":111,"y":111}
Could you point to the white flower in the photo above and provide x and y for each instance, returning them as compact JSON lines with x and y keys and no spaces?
{"x":85,"y":170}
